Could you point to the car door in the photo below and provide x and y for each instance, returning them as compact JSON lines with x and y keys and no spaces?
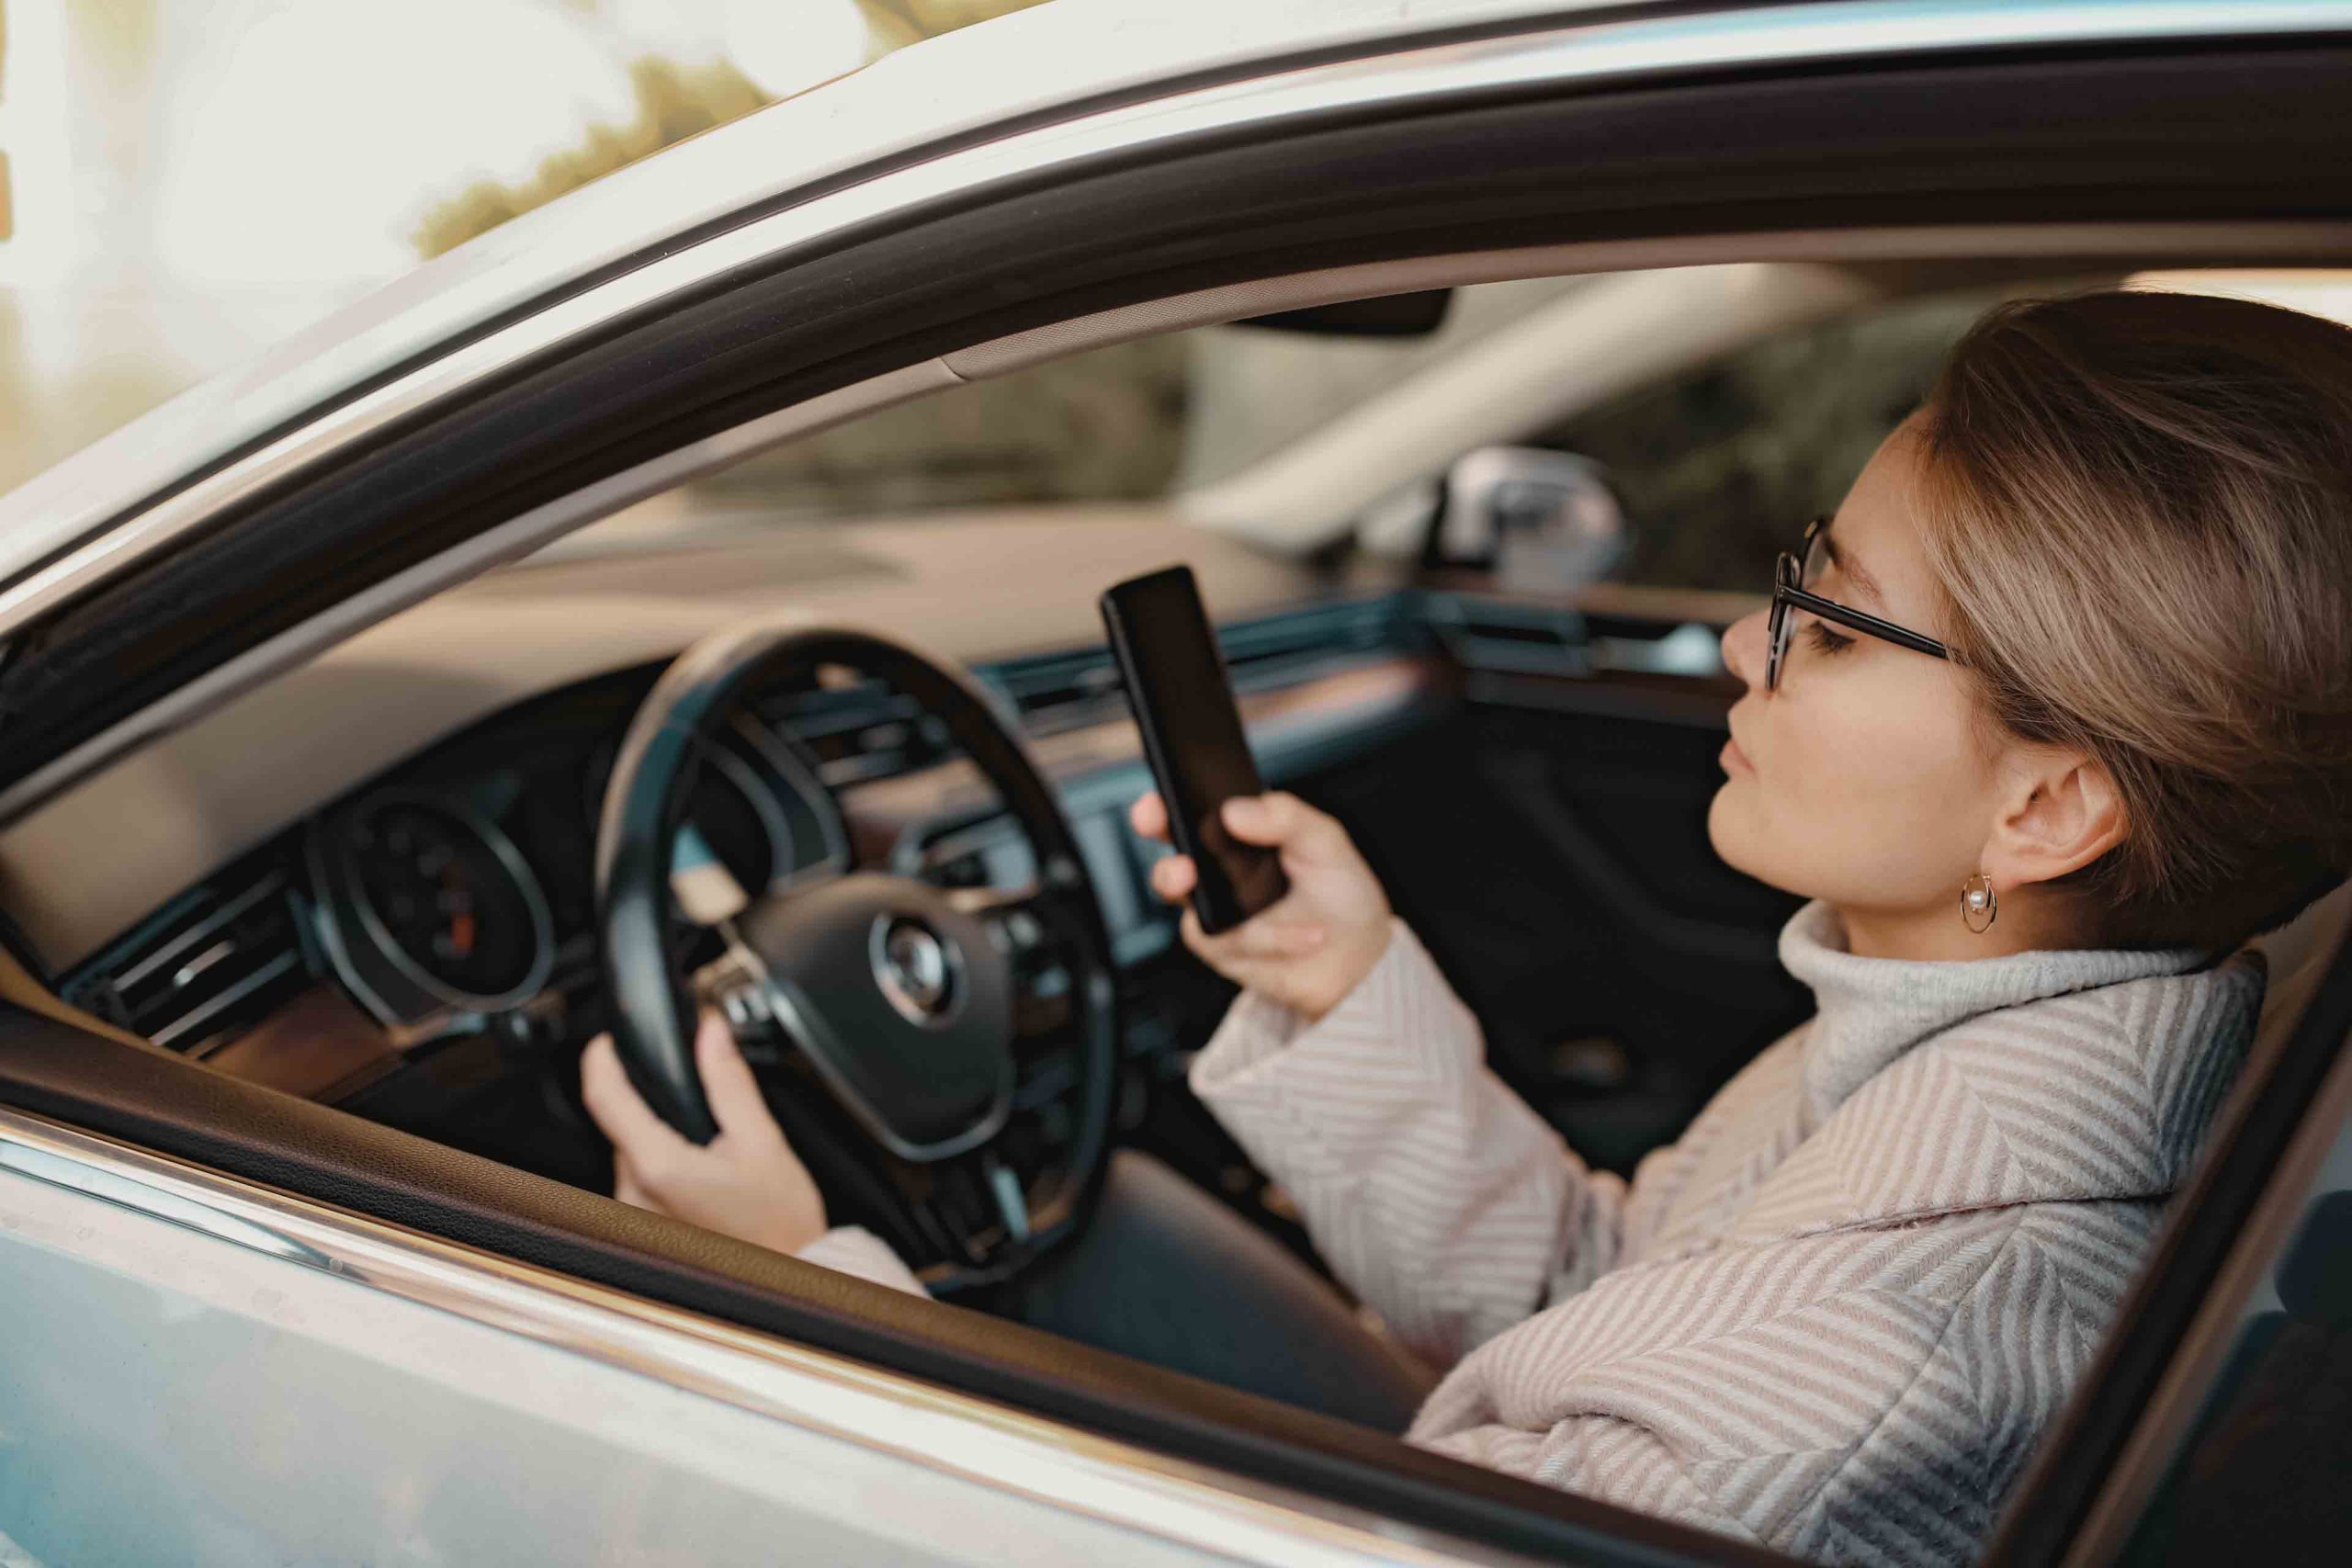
{"x":198,"y":1372}
{"x":444,"y":1359}
{"x":495,"y":435}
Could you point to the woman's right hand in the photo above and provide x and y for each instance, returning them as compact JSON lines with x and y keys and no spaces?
{"x":1313,"y":947}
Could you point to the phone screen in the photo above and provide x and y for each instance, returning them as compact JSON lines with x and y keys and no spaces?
{"x":1193,"y":737}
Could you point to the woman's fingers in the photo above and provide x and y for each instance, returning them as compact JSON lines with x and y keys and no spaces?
{"x":1251,"y":968}
{"x":627,"y":1185}
{"x":1149,"y":816}
{"x":1277,"y":818}
{"x":1173,"y":877}
{"x":618,"y":1110}
{"x":735,"y":1100}
{"x":1264,"y":939}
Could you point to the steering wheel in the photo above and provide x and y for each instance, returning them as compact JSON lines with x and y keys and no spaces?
{"x":901,"y":993}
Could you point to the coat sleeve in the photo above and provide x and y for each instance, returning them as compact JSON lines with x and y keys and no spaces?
{"x":1860,"y":1394}
{"x":1436,"y":1193}
{"x":854,"y":1249}
{"x":1607,"y":1460}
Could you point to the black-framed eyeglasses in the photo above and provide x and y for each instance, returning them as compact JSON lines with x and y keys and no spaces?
{"x":1792,"y":573}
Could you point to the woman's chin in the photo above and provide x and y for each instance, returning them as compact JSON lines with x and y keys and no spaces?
{"x":1729,"y":830}
{"x":1746,"y":845}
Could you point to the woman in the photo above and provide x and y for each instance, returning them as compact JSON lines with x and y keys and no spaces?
{"x":2053,"y":716}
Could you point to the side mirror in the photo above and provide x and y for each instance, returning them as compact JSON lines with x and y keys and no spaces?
{"x":1539,"y":520}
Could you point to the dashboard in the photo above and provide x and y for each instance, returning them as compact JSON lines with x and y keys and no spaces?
{"x":444,"y":911}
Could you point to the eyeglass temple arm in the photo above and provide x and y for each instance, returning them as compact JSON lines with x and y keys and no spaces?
{"x":1830,"y":610}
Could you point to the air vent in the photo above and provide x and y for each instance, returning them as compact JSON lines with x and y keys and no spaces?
{"x":203,"y":971}
{"x":861,"y":731}
{"x":866,"y":730}
{"x":1063,"y":690}
{"x":1501,"y":634}
{"x":1509,"y":635}
{"x":1284,"y":648}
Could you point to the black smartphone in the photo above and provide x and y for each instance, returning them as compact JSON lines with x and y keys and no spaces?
{"x":1193,"y":737}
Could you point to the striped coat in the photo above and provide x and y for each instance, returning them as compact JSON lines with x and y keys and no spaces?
{"x":1837,"y":1314}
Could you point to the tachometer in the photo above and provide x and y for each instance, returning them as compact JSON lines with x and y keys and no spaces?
{"x":756,"y":810}
{"x":431,"y":908}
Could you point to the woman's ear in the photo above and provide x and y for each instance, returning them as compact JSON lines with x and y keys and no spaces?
{"x":2062,"y":813}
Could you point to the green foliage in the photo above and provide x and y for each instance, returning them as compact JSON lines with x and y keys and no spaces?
{"x":673,"y":102}
{"x":1721,"y":469}
{"x":905,"y":21}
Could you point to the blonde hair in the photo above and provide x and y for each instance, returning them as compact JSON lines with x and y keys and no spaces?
{"x":2139,"y":509}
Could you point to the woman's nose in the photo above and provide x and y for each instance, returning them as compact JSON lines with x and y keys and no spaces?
{"x":1744,"y":649}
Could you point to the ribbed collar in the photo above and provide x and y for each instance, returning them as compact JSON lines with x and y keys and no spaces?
{"x":1869,"y":1012}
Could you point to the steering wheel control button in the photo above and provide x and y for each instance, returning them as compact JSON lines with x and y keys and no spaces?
{"x":900,"y":1002}
{"x":747,"y":1012}
{"x":916,"y":968}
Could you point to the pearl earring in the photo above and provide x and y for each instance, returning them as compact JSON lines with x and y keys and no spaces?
{"x":1978,"y":903}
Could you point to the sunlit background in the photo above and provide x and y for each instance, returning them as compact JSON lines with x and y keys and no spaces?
{"x":186,"y":181}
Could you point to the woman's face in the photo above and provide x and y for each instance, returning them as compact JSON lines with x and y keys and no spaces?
{"x":1860,"y":780}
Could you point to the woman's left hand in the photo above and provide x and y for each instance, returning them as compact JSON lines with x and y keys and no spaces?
{"x":745,"y":1182}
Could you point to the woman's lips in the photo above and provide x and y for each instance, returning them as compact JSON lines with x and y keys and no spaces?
{"x":1733,"y":760}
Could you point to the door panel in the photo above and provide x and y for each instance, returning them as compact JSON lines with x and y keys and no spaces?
{"x":203,"y":1392}
{"x":1552,"y":852}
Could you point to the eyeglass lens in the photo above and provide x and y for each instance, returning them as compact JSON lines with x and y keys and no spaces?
{"x":1784,"y":617}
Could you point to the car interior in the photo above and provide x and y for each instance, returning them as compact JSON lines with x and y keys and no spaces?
{"x":1469,"y":555}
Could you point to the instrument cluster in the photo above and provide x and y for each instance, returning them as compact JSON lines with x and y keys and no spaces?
{"x":460,"y":894}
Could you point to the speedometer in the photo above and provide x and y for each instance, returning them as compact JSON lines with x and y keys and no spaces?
{"x":431,"y":908}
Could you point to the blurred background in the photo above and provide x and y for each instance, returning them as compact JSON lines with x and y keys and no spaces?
{"x":185,"y":182}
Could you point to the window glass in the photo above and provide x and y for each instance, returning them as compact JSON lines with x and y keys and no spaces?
{"x":1721,"y":468}
{"x":1129,"y":423}
{"x":1719,"y":465}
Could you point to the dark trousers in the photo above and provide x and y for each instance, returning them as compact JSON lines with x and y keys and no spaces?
{"x":1167,"y":1274}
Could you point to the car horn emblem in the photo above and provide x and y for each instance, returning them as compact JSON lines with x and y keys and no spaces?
{"x":915,"y":968}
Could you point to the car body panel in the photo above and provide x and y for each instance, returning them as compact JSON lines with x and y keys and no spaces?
{"x":199,"y":1371}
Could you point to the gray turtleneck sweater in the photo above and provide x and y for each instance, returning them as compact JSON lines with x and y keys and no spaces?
{"x":1836,"y":1314}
